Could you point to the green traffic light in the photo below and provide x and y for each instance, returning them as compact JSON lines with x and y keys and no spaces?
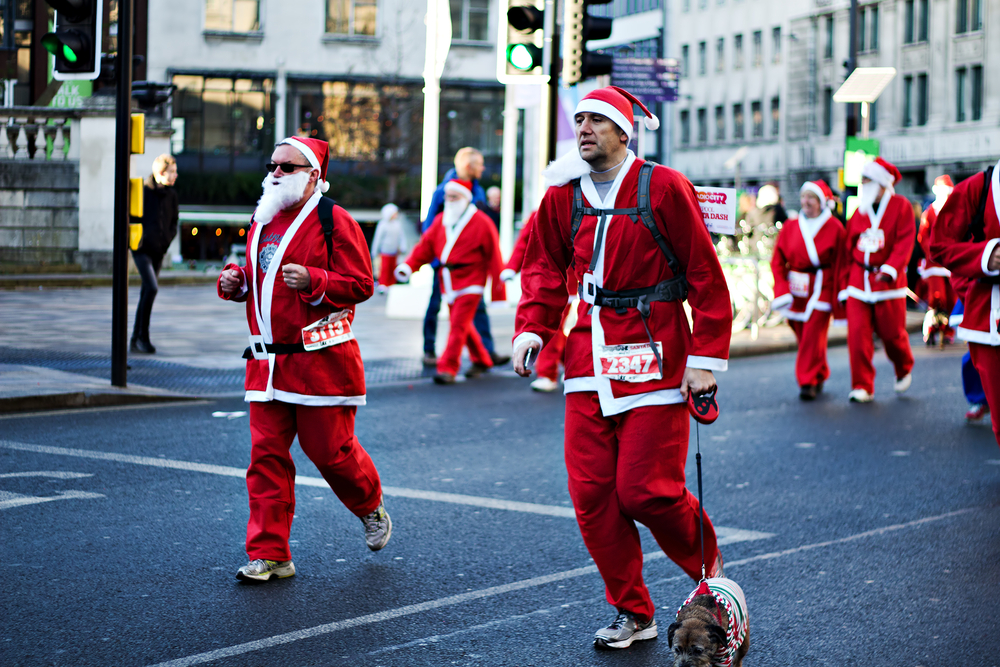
{"x":51,"y":43}
{"x":69,"y":54}
{"x":524,"y":57}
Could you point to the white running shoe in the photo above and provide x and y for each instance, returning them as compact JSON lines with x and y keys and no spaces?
{"x":860,"y":396}
{"x":545,"y":385}
{"x":903,"y":383}
{"x":624,"y":630}
{"x":263,"y":570}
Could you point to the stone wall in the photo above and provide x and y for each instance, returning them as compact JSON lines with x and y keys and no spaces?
{"x":39,"y":212}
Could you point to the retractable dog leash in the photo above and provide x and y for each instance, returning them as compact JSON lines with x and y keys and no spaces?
{"x":705,"y":410}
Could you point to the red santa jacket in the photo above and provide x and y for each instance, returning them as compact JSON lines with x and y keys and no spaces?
{"x":968,"y":260}
{"x":333,"y":375}
{"x":628,"y":258}
{"x":516,"y":260}
{"x":928,"y":267}
{"x":469,"y":252}
{"x":805,"y":264}
{"x":881,"y":240}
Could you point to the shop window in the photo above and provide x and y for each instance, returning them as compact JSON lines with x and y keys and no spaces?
{"x":354,"y":18}
{"x":239,"y":16}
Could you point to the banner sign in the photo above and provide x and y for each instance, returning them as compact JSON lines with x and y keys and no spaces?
{"x":718,"y":208}
{"x":649,"y":79}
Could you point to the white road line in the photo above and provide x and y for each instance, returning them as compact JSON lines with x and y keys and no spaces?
{"x":368,"y":619}
{"x":49,"y":473}
{"x":108,"y":408}
{"x":725,"y":535}
{"x":9,"y":500}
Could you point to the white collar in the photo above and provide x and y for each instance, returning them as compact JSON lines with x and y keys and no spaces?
{"x":608,"y":201}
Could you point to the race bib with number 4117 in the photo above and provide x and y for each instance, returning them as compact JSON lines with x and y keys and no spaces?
{"x":333,"y":329}
{"x":632,"y":362}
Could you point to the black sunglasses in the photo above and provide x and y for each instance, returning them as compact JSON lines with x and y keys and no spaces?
{"x":287,"y":167}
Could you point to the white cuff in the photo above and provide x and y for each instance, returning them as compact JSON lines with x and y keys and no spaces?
{"x":885,"y":268}
{"x":526,"y":338}
{"x":840,"y":323}
{"x":783,"y":301}
{"x":707,"y":363}
{"x":243,"y":286}
{"x":842,"y":295}
{"x":507,"y":274}
{"x":990,"y":245}
{"x":403,"y":273}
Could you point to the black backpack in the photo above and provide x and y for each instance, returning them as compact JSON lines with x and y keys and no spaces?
{"x":325,"y":210}
{"x":977,"y":228}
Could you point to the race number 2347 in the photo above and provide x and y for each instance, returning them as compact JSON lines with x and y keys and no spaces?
{"x":633,"y":362}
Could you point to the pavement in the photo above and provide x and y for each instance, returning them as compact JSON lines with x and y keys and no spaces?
{"x":55,"y":340}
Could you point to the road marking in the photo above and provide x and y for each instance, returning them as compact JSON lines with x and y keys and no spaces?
{"x":108,"y":408}
{"x":49,"y":473}
{"x":724,"y":535}
{"x":993,"y":462}
{"x":451,"y":600}
{"x":9,"y":500}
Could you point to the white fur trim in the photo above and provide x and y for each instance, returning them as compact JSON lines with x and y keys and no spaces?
{"x":809,"y":186}
{"x":507,"y":274}
{"x":403,"y":273}
{"x":877,"y":173}
{"x":564,"y":169}
{"x":707,"y":363}
{"x":780,"y":302}
{"x":525,"y":338}
{"x":303,"y":399}
{"x":885,"y":268}
{"x":840,"y":323}
{"x":990,"y":245}
{"x":458,"y":189}
{"x":303,"y":148}
{"x":607,"y":110}
{"x":651,"y":122}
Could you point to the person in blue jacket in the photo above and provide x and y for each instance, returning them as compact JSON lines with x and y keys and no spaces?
{"x":469,"y":166}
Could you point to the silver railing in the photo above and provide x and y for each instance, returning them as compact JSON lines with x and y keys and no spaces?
{"x":38,"y":133}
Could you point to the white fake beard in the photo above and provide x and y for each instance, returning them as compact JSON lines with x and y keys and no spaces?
{"x":279,"y":194}
{"x":868,"y":194}
{"x":453,"y":211}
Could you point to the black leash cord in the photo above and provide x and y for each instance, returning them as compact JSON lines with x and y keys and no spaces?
{"x":701,"y":507}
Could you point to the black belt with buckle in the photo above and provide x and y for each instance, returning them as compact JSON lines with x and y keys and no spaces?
{"x":275,"y":348}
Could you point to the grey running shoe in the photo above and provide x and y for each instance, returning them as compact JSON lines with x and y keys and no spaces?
{"x":625,"y":629}
{"x":378,"y":528}
{"x":262,"y":570}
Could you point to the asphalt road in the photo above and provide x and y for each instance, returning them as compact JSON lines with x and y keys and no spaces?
{"x":862,"y":535}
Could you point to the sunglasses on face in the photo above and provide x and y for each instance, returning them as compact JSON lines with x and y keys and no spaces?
{"x":287,"y":167}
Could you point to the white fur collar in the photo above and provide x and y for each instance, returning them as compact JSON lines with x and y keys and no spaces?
{"x":564,"y":169}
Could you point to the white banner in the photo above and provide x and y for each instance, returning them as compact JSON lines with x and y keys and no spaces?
{"x":718,"y":208}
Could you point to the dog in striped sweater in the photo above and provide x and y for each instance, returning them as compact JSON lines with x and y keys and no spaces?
{"x":712,"y":626}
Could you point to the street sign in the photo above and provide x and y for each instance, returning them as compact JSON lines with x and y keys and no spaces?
{"x":649,"y":79}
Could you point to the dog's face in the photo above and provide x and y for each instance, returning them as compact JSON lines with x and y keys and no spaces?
{"x":695,"y":641}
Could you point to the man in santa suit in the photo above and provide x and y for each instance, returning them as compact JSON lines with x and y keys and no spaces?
{"x":631,"y":359}
{"x":872,"y":279}
{"x":547,"y":364}
{"x":935,"y":286}
{"x":291,"y":281}
{"x":465,"y":241}
{"x":966,"y":240}
{"x":804,"y":265}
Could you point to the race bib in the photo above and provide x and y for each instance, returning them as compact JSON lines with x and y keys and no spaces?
{"x":871,"y":240}
{"x":798,"y":283}
{"x":634,"y":362}
{"x":333,"y":329}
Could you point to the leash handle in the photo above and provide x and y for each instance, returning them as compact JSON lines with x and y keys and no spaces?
{"x":701,"y":506}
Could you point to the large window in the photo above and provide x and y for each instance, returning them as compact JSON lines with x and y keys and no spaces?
{"x":738,"y":121}
{"x":775,"y":116}
{"x":977,"y":92}
{"x":961,"y":79}
{"x":969,"y":15}
{"x":868,"y":28}
{"x":685,"y":128}
{"x":758,"y":119}
{"x":922,"y":99}
{"x":232,"y":15}
{"x":720,"y":124}
{"x":702,"y":58}
{"x":915,"y":21}
{"x":828,"y":110}
{"x":738,"y":52}
{"x":685,"y":61}
{"x":828,"y":42}
{"x":776,"y":45}
{"x":907,"y":101}
{"x":470,"y":20}
{"x":720,"y":55}
{"x":351,"y":17}
{"x":758,"y":49}
{"x":702,"y":125}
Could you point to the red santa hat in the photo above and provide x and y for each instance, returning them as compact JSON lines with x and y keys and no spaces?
{"x":459,"y":187}
{"x":616,"y":103}
{"x":943,"y":186}
{"x":822,"y":191}
{"x":882,"y":172}
{"x":316,"y":152}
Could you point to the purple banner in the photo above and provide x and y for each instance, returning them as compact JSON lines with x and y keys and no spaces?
{"x":649,"y":79}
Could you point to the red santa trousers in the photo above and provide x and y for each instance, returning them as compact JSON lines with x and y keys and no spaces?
{"x":462,"y":333}
{"x":810,"y":362}
{"x":326,"y":435}
{"x":986,"y":359}
{"x":386,"y":277}
{"x":888,"y":320}
{"x":628,"y":468}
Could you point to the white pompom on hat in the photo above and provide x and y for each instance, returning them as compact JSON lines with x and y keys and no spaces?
{"x":317,"y":153}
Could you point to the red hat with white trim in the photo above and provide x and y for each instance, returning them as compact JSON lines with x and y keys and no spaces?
{"x":822,"y":191}
{"x":882,"y":172}
{"x":459,"y":187}
{"x":316,"y":152}
{"x":616,"y":103}
{"x":944,"y":180}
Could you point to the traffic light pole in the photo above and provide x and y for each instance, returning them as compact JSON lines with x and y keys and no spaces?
{"x":123,"y":141}
{"x":852,"y":63}
{"x":553,"y":92}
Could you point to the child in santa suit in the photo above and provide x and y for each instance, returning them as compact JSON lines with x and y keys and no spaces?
{"x":872,"y":279}
{"x":935,"y":287}
{"x":388,"y":244}
{"x":465,"y":241}
{"x":547,"y":364}
{"x":804,"y":265}
{"x":966,"y":240}
{"x":290,"y":281}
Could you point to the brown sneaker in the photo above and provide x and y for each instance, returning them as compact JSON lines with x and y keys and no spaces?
{"x":477,"y":370}
{"x":444,"y":378}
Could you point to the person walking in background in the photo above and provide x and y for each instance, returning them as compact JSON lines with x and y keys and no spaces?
{"x":934,"y":286}
{"x":464,"y":241}
{"x":388,"y":244}
{"x":159,"y":227}
{"x":492,"y":205}
{"x":804,"y":265}
{"x":966,"y":240}
{"x":872,"y":279}
{"x":469,"y":166}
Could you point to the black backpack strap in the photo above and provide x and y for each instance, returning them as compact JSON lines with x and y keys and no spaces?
{"x":646,"y":214}
{"x":977,"y":228}
{"x":577,"y":211}
{"x":325,"y":209}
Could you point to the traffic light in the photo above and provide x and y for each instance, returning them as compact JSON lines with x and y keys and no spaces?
{"x":579,"y":27}
{"x":522,"y":43}
{"x":76,"y":41}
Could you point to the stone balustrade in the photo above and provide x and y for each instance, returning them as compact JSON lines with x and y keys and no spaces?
{"x":39,"y":133}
